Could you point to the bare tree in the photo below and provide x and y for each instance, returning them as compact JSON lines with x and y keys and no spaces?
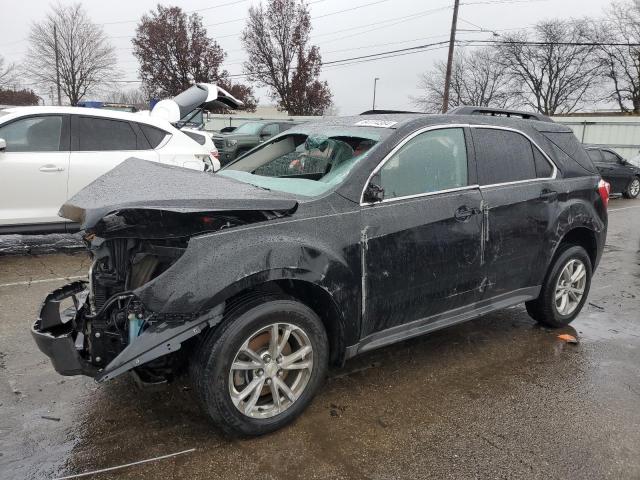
{"x":175,"y":52}
{"x":8,"y":74}
{"x":86,"y":58}
{"x":134,"y":96}
{"x":277,"y":42}
{"x":555,"y":72}
{"x":621,"y":63}
{"x":476,"y":79}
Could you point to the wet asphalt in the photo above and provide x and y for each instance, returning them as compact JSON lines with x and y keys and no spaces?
{"x":497,"y":397}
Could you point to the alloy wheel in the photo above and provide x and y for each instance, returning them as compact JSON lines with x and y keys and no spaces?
{"x":570,"y":287}
{"x":634,"y":188}
{"x":271,"y":370}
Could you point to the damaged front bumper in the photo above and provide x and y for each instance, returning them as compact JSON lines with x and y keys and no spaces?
{"x":59,"y":335}
{"x":55,"y":334}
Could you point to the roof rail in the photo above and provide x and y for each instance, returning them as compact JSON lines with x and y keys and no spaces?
{"x":498,"y":112}
{"x":379,"y":112}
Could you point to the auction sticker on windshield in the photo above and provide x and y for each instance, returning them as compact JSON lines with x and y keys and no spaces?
{"x":376,"y":123}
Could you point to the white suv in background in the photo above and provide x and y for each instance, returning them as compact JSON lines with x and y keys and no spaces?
{"x":47,"y":154}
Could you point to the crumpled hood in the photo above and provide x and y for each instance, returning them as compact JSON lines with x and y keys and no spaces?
{"x":141,"y":184}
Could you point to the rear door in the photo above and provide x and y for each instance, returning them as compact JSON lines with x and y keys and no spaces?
{"x":34,"y":169}
{"x":99,"y":144}
{"x":421,"y":243}
{"x":617,"y":171}
{"x":519,"y":191}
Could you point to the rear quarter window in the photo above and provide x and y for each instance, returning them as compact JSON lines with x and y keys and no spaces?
{"x":198,"y":138}
{"x":154,"y":135}
{"x":566,"y":146}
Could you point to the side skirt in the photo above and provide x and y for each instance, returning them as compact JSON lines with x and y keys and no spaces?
{"x":441,"y":320}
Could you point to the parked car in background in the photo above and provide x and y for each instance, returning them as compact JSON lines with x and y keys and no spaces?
{"x":243,"y":138}
{"x":48,"y":154}
{"x":622,"y":175}
{"x":332,"y":239}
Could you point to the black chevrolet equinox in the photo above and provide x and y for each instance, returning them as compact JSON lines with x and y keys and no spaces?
{"x":328,"y":240}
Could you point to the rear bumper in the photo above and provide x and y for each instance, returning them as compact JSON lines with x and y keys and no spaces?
{"x":55,"y":334}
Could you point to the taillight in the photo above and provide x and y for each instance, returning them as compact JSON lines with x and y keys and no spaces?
{"x":603,"y":189}
{"x":215,"y":154}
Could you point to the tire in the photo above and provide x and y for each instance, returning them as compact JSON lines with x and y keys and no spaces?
{"x":545,"y":309}
{"x":633,"y":189}
{"x":214,"y":381}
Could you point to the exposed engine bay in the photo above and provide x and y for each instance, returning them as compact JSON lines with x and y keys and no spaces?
{"x":130,"y":248}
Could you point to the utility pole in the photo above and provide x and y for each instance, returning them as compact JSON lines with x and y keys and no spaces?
{"x":452,"y":41}
{"x":375,"y":83}
{"x":55,"y":46}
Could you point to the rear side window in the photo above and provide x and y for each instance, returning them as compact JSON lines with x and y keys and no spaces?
{"x":103,"y":134}
{"x":154,"y":135}
{"x":594,"y":155}
{"x":432,"y":161}
{"x":503,"y":156}
{"x":33,"y":134}
{"x":609,"y":157}
{"x":543,"y":167}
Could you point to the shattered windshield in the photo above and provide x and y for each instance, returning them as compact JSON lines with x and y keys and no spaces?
{"x":305,"y":163}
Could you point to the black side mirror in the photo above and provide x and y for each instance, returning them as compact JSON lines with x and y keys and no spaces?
{"x":373,"y":193}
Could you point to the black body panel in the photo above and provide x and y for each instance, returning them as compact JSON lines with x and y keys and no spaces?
{"x":389,"y":270}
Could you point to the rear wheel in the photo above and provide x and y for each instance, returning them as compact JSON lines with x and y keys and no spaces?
{"x":565,"y":289}
{"x":261,"y":368}
{"x":633,"y":189}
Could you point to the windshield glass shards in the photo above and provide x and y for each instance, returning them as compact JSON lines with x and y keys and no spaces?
{"x":305,"y":164}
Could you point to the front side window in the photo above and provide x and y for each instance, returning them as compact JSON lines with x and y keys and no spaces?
{"x":33,"y":134}
{"x":594,"y":155}
{"x":503,"y":156}
{"x":610,"y":157}
{"x":432,"y":161}
{"x":100,"y":134}
{"x":249,"y":128}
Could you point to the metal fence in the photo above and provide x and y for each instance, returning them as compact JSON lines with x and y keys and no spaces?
{"x":620,"y":133}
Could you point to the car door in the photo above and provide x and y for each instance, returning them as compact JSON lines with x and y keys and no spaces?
{"x":617,"y":170}
{"x":520,"y":194}
{"x":33,"y":169}
{"x":98,"y":144}
{"x":421,"y":242}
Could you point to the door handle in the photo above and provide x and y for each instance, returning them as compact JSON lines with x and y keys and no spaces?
{"x":51,"y":168}
{"x":464,"y":213}
{"x":547,"y":194}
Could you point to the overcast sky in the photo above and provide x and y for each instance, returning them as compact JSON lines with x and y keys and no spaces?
{"x":377,"y":26}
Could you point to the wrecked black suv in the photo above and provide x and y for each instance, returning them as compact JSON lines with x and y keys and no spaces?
{"x":329,"y":240}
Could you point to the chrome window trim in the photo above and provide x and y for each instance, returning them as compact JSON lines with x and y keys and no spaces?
{"x":395,"y":149}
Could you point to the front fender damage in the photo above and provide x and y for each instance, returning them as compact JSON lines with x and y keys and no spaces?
{"x":158,"y":340}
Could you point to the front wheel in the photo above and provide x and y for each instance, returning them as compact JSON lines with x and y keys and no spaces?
{"x":565,"y":289}
{"x":260,"y":369}
{"x":633,"y":189}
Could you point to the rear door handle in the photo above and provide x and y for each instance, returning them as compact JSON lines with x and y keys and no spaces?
{"x":547,"y":194}
{"x":51,"y":168}
{"x":464,"y":213}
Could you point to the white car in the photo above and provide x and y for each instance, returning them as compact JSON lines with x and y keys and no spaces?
{"x":206,"y":140}
{"x":47,"y":154}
